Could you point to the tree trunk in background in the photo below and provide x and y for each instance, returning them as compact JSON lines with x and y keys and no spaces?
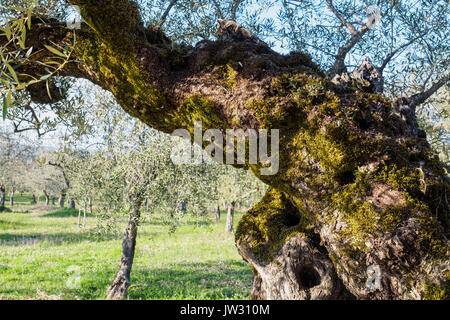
{"x":217,"y":214}
{"x":118,"y":289}
{"x":33,"y":200}
{"x":61,"y":200}
{"x":72,"y":204}
{"x":53,"y":201}
{"x":183,"y":205}
{"x":2,"y":196}
{"x":90,"y":205}
{"x":84,"y":214}
{"x":11,"y":198}
{"x":230,"y":217}
{"x":47,"y":198}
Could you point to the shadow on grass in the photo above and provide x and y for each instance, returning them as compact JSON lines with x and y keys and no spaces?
{"x":64,"y":213}
{"x":5,"y":209}
{"x":209,"y":280}
{"x":12,"y":224}
{"x":54,"y":239}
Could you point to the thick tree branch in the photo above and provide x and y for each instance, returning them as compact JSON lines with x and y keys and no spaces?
{"x":234,"y":7}
{"x":419,"y":98}
{"x":339,"y":65}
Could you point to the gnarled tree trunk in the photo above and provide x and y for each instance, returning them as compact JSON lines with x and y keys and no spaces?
{"x":370,"y":198}
{"x":119,"y":288}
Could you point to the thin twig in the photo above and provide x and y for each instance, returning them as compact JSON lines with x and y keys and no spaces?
{"x":166,"y":13}
{"x":219,"y":12}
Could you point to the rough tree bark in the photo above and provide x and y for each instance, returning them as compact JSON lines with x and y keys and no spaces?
{"x":369,"y":195}
{"x":119,"y":288}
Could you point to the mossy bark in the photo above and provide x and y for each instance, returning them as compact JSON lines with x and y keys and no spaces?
{"x":361,"y":189}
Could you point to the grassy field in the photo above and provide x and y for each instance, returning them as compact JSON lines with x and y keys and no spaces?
{"x":45,"y":255}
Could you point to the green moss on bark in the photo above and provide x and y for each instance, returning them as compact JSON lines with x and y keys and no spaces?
{"x":342,"y":134}
{"x":269,"y":224}
{"x":435,"y":292}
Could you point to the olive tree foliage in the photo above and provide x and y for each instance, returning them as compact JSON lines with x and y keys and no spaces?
{"x":238,"y":187}
{"x":434,"y":118}
{"x":67,"y":162}
{"x":132,"y":172}
{"x":127,"y":147}
{"x":42,"y":179}
{"x":51,"y":102}
{"x":15,"y":155}
{"x":407,"y":42}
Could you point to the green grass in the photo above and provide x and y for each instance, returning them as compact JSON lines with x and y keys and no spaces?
{"x":44,"y":254}
{"x":22,"y":199}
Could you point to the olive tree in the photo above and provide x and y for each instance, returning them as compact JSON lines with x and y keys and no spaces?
{"x":15,"y":153}
{"x":359,"y":190}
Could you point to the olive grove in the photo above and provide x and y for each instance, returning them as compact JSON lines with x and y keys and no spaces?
{"x":360,"y":190}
